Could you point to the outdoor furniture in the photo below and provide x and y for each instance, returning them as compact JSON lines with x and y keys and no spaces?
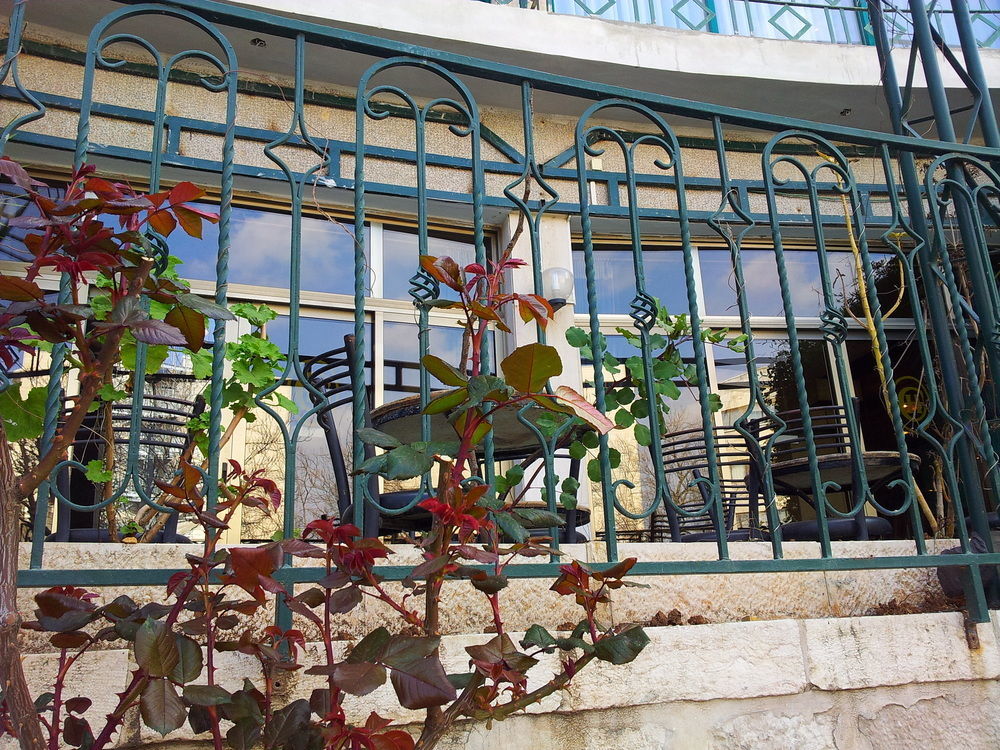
{"x":835,"y":455}
{"x":686,"y":459}
{"x":163,"y":438}
{"x":513,"y":441}
{"x":331,"y":374}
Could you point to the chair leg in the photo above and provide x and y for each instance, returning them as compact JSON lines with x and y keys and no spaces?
{"x":569,"y":531}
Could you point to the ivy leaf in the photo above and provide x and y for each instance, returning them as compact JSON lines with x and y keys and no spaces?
{"x":258,"y":315}
{"x":201,"y":364}
{"x":23,"y":417}
{"x":528,"y":368}
{"x":160,"y":708}
{"x":577,"y":337}
{"x":97,"y":473}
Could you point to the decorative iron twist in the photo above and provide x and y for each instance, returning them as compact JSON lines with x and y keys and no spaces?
{"x":833,"y":324}
{"x":424,"y":288}
{"x":643,"y":311}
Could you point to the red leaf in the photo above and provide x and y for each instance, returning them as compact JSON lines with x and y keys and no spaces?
{"x":584,"y":409}
{"x":191,"y":324}
{"x":19,"y":290}
{"x":162,"y":222}
{"x":17,"y":174}
{"x":157,"y":332}
{"x":190,"y":221}
{"x":184,"y":192}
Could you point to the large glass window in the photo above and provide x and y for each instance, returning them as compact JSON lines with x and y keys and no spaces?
{"x":614,"y":270}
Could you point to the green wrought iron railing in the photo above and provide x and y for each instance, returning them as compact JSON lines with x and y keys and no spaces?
{"x":842,"y":21}
{"x":846,"y":284}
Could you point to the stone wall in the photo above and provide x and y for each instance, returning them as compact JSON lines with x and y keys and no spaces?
{"x":866,"y":683}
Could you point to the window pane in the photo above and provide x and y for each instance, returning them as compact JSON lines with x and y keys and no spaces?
{"x":400,"y":260}
{"x":402,"y":356}
{"x":760,"y":272}
{"x":614,"y":270}
{"x":261,"y":248}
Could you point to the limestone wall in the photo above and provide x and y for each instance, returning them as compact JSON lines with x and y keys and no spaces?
{"x":866,"y":683}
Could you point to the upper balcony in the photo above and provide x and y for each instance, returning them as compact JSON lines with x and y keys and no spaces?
{"x":837,"y":21}
{"x":751,"y":54}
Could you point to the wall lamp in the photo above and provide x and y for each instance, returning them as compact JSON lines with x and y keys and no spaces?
{"x":557,"y":286}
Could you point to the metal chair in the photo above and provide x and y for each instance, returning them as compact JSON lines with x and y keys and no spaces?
{"x":330,"y":373}
{"x":836,"y":454}
{"x":685,"y":459}
{"x":163,"y":438}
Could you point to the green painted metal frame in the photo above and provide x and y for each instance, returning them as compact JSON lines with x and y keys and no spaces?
{"x":927,"y":265}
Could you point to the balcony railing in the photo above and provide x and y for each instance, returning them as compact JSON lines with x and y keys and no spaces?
{"x":840,"y":21}
{"x":862,"y":307}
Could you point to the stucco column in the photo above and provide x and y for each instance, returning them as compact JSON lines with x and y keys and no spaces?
{"x":555,"y":250}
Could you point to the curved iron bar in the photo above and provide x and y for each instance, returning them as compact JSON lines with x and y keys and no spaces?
{"x":742,"y":423}
{"x":643,"y":306}
{"x":424,"y":289}
{"x":97,"y":45}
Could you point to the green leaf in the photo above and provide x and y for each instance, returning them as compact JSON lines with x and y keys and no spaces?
{"x":205,"y":307}
{"x":101,"y":305}
{"x":621,"y":648}
{"x":594,"y":470}
{"x":206,"y":695}
{"x":642,"y":434}
{"x":490,"y":584}
{"x":447,"y":401}
{"x":577,"y":450}
{"x":160,"y":708}
{"x":486,"y":387}
{"x":640,"y":408}
{"x":568,"y":500}
{"x":577,"y":337}
{"x":97,"y":473}
{"x":285,"y":403}
{"x":624,"y":418}
{"x":258,"y":315}
{"x":614,"y":458}
{"x":405,"y":463}
{"x":108,"y":392}
{"x":511,"y":528}
{"x":590,"y":439}
{"x":377,"y":438}
{"x":370,"y":647}
{"x":190,"y":661}
{"x":155,"y":355}
{"x":714,"y":402}
{"x":443,"y":371}
{"x":537,"y":636}
{"x":624,"y":396}
{"x":23,"y":418}
{"x":528,"y":368}
{"x":201,"y":364}
{"x":243,"y":735}
{"x":156,"y":649}
{"x":536,"y":518}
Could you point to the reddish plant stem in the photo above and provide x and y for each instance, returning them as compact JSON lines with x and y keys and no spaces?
{"x":57,"y":702}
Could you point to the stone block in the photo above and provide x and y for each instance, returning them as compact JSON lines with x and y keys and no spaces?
{"x":702,"y":663}
{"x":860,"y":652}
